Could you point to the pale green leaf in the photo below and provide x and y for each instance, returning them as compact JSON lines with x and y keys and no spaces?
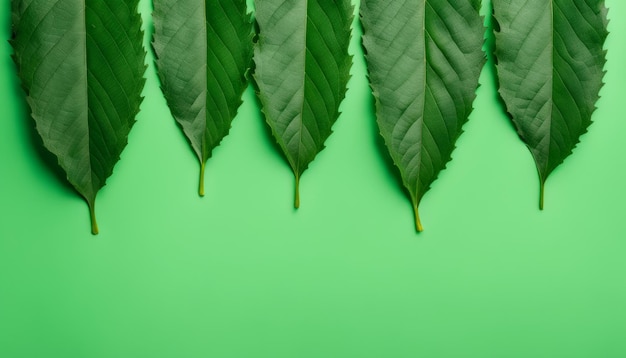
{"x":81,"y":64}
{"x":424,"y":59}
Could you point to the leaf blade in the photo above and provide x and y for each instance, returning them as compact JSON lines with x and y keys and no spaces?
{"x":424,"y":59}
{"x":551,"y":91}
{"x":302,"y":69}
{"x":203,"y":51}
{"x":83,"y":80}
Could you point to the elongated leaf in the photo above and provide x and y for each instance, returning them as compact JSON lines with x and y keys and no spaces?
{"x":204,"y":49}
{"x":302,"y":69}
{"x":424,"y":59}
{"x":550,"y":62}
{"x":81,"y":64}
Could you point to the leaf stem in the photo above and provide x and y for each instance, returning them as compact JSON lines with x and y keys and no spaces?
{"x":418,"y":223}
{"x":201,"y":185}
{"x":541,"y":194}
{"x":92,"y":214}
{"x":296,"y":203}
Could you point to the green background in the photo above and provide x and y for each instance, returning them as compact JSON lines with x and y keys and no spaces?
{"x":239,"y":273}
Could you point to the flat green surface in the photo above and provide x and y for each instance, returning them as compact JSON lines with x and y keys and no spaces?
{"x":240,"y":274}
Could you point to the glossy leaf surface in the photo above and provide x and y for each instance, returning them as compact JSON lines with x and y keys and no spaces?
{"x":550,"y":65}
{"x":302,"y":69}
{"x":203,"y":49}
{"x":424,"y":59}
{"x":81,"y":64}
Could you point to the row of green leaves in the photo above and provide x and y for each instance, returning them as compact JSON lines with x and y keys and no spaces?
{"x":81,"y":64}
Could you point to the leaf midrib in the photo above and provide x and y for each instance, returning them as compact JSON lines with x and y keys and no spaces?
{"x":423,"y":99}
{"x":206,"y":93}
{"x":547,"y":164}
{"x":542,"y":168}
{"x":92,"y":194}
{"x":306,"y":43}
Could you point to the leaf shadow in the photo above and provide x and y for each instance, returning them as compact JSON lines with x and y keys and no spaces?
{"x":492,"y":26}
{"x":41,"y":155}
{"x":392,"y":171}
{"x":269,"y":138}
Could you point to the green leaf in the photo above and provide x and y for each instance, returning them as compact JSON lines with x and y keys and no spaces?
{"x":81,"y":64}
{"x":550,"y":66}
{"x":204,"y":50}
{"x":302,"y":69}
{"x":424,"y":59}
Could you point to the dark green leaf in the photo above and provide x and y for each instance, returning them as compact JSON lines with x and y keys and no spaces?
{"x":550,"y":62}
{"x":81,"y":64}
{"x":302,"y":69}
{"x":204,"y":49}
{"x":424,"y":59}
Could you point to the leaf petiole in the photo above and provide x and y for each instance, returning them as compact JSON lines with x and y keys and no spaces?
{"x":418,"y":223}
{"x":201,"y":185}
{"x":296,"y":203}
{"x":92,"y":214}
